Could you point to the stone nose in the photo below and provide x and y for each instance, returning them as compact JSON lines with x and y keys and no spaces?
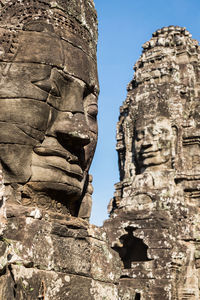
{"x":147,"y":140}
{"x":70,"y":129}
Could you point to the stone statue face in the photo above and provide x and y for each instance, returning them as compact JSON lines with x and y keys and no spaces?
{"x":153,"y":143}
{"x":48,"y":115}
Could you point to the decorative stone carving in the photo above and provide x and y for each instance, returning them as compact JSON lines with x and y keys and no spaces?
{"x":156,"y":200}
{"x":49,"y":90}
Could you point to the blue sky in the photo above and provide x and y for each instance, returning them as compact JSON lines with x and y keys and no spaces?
{"x":124,"y":25}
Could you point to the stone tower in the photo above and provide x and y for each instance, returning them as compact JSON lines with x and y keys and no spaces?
{"x":154,"y":223}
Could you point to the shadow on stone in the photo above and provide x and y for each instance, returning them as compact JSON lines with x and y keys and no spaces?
{"x":137,"y":296}
{"x":133,"y":249}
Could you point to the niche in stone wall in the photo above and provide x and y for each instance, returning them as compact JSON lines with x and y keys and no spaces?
{"x":131,"y":249}
{"x":137,"y":296}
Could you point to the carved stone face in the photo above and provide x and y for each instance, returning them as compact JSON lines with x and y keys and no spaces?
{"x":48,"y":115}
{"x":153,"y":143}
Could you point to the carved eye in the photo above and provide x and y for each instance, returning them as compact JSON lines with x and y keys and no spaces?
{"x":164,"y":131}
{"x":155,"y":132}
{"x":139,"y":135}
{"x":44,"y":84}
{"x":48,"y":86}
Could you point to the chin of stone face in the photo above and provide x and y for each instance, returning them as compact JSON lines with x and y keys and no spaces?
{"x":48,"y":98}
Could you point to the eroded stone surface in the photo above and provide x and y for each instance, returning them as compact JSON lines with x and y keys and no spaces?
{"x":155,"y":211}
{"x":44,"y":254}
{"x":48,"y":96}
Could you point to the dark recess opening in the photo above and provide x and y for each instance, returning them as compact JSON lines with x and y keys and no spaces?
{"x":137,"y":296}
{"x":133,"y":249}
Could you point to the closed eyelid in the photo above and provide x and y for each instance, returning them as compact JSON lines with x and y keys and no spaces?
{"x":72,"y":80}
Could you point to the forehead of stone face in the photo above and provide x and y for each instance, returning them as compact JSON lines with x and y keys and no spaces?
{"x":156,"y":123}
{"x":47,"y":48}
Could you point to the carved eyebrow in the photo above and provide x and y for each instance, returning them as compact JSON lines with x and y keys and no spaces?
{"x":88,"y":89}
{"x":71,"y":78}
{"x":46,"y":84}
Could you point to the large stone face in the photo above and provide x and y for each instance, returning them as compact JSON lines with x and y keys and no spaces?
{"x":48,"y":96}
{"x":154,"y":223}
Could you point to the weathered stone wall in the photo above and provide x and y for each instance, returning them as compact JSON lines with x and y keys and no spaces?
{"x":154,"y":224}
{"x":54,"y":257}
